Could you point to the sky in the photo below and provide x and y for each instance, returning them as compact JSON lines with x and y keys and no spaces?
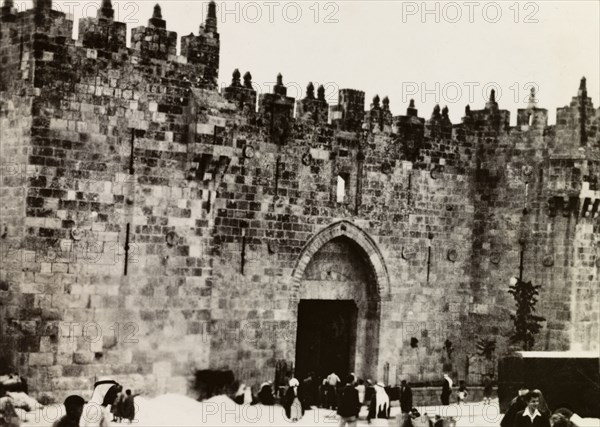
{"x":437,"y":52}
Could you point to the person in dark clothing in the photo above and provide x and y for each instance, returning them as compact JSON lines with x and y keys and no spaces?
{"x":446,"y":390}
{"x":379,"y":407}
{"x":463,"y":393}
{"x":292,"y":401}
{"x":559,"y":420}
{"x":516,"y":405}
{"x":405,"y":420}
{"x":419,"y":420}
{"x":531,"y":416}
{"x":406,"y":398}
{"x":265,"y":395}
{"x":309,"y":390}
{"x":111,"y":395}
{"x":488,"y":388}
{"x":543,"y":406}
{"x":348,"y":404}
{"x":74,"y":407}
{"x":565,"y":412}
{"x":129,"y":406}
{"x":323,"y":394}
{"x":117,"y":406}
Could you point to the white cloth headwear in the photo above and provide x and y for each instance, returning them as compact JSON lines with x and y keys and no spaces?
{"x":94,"y":414}
{"x":240,"y":390}
{"x":248,"y":395}
{"x":449,"y":380}
{"x":294,"y":382}
{"x":381,"y":397}
{"x":100,"y":391}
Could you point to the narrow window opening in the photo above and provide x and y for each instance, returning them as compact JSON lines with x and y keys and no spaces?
{"x":341,"y":188}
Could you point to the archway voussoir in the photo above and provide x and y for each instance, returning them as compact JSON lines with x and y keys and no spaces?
{"x":375,"y":261}
{"x":353,"y":232}
{"x":320,"y":240}
{"x":330,"y":234}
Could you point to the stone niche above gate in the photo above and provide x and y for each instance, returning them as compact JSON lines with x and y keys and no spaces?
{"x":338,"y":271}
{"x":320,"y":262}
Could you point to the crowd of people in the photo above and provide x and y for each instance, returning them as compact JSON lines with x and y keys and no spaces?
{"x":347,"y":398}
{"x":528,"y":409}
{"x":123,"y":407}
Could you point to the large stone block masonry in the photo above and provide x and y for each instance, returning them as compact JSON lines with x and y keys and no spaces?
{"x":152,"y":226}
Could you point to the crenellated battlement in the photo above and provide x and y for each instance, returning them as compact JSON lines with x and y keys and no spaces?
{"x":149,"y":82}
{"x":150,"y":78}
{"x":108,"y":38}
{"x":103,"y":39}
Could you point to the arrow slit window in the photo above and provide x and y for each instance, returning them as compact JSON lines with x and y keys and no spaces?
{"x":341,"y":189}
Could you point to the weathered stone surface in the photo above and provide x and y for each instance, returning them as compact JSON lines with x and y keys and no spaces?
{"x":231,"y":214}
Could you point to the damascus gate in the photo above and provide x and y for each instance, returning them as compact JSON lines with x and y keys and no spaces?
{"x":153,"y":225}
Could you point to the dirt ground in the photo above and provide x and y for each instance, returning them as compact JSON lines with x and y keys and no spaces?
{"x":181,"y":411}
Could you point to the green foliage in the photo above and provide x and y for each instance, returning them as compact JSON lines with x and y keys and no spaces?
{"x":526,"y":323}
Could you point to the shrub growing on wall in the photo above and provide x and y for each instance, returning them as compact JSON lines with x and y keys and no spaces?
{"x":526,"y":323}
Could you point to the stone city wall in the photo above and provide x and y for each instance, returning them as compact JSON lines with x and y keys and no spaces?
{"x":153,"y":226}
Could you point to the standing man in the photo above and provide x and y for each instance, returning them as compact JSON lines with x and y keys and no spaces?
{"x":379,"y":407}
{"x":129,"y":406}
{"x":310,"y":392}
{"x":531,"y":416}
{"x":446,"y":390}
{"x":117,"y":407}
{"x":406,"y":398}
{"x":487,"y":389}
{"x":292,"y":401}
{"x":349,"y":404}
{"x":332,"y":382}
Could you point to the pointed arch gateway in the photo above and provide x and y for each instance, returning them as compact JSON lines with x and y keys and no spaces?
{"x":362,"y":239}
{"x":338,"y":284}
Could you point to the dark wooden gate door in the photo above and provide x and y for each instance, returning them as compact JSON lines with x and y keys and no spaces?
{"x":326,"y":338}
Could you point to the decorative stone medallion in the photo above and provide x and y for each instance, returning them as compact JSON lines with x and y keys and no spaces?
{"x":76,"y":234}
{"x":452,"y":255}
{"x":249,"y":151}
{"x":273,"y":246}
{"x":436,"y":172}
{"x":171,"y":238}
{"x":307,"y":159}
